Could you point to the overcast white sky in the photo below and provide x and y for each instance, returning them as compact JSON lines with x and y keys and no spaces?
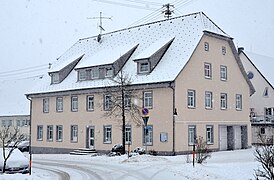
{"x":36,"y":32}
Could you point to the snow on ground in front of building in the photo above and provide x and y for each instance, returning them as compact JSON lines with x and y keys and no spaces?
{"x":231,"y":165}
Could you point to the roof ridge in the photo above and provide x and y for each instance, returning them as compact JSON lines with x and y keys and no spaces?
{"x":141,"y":25}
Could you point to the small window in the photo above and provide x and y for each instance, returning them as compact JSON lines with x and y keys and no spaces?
{"x":50,"y":133}
{"x":107,"y":134}
{"x":39,"y":133}
{"x":127,"y":102}
{"x":206,"y":46}
{"x":74,"y":133}
{"x":223,"y":50}
{"x":107,"y":103}
{"x":238,"y":102}
{"x":143,"y":67}
{"x":191,"y":98}
{"x":207,"y":70}
{"x":148,"y":99}
{"x":209,"y":135}
{"x":59,"y":104}
{"x":46,"y":105}
{"x":109,"y":72}
{"x":74,"y":103}
{"x":55,"y":78}
{"x":59,"y":133}
{"x":128,"y":134}
{"x":90,"y":103}
{"x":208,"y":100}
{"x":265,"y":92}
{"x":148,"y":135}
{"x":262,"y":131}
{"x":82,"y":75}
{"x":95,"y":73}
{"x":191,"y":135}
{"x":223,"y":101}
{"x":223,"y":73}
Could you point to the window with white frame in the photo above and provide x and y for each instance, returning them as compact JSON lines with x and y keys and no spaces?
{"x":127,"y":102}
{"x":128,"y":134}
{"x":74,"y":133}
{"x":55,"y":78}
{"x":49,"y":133}
{"x":207,"y":70}
{"x":82,"y":75}
{"x":191,"y":135}
{"x":223,"y":101}
{"x":59,"y":133}
{"x":59,"y":104}
{"x":46,"y":105}
{"x":223,"y":73}
{"x":90,"y":103}
{"x":209,"y":134}
{"x":18,"y":123}
{"x":95,"y":73}
{"x":238,"y":102}
{"x":208,"y":100}
{"x":265,"y":92}
{"x":191,"y":98}
{"x":39,"y":133}
{"x":109,"y":72}
{"x":107,"y":102}
{"x":223,"y":50}
{"x":148,"y":135}
{"x":206,"y":46}
{"x":74,"y":103}
{"x":148,"y":99}
{"x":143,"y":67}
{"x":107,"y":134}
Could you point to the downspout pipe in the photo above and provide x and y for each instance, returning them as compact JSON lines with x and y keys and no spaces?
{"x":172,"y":86}
{"x":30,"y":153}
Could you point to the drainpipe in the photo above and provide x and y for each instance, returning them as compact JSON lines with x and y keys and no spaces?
{"x":30,"y":154}
{"x":172,"y":86}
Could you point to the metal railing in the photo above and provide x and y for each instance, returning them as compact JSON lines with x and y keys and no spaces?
{"x":262,"y":119}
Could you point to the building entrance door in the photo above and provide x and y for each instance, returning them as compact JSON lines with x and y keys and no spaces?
{"x":91,"y":137}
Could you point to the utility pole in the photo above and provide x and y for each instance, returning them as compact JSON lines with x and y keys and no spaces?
{"x":168,"y":12}
{"x":100,"y":21}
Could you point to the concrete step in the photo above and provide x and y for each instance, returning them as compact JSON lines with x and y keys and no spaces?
{"x":83,"y":151}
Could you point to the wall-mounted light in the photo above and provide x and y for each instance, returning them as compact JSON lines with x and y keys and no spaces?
{"x":175,"y":112}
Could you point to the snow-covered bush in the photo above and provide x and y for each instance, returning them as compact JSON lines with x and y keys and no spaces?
{"x":202,"y":151}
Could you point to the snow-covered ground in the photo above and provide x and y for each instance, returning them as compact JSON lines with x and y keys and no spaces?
{"x":229,"y":165}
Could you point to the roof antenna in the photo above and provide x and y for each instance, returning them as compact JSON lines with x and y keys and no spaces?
{"x":168,"y":12}
{"x":100,"y":25}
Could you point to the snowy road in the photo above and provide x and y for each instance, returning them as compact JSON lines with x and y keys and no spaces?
{"x":229,"y":165}
{"x":90,"y":170}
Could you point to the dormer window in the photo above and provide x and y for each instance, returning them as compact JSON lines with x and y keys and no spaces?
{"x":95,"y":73}
{"x":109,"y":72}
{"x":55,"y":78}
{"x":82,"y":75}
{"x":143,"y":67}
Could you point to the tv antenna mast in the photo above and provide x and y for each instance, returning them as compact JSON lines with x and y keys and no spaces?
{"x":100,"y":22}
{"x":168,"y":12}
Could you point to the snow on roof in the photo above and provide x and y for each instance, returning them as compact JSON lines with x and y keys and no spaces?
{"x":104,"y":56}
{"x":264,"y":64}
{"x":153,"y":48}
{"x":187,"y":31}
{"x":61,"y":64}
